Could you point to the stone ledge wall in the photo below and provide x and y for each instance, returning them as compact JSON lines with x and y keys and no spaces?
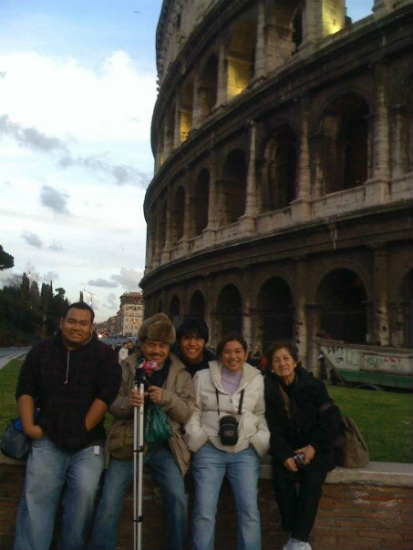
{"x":369,"y":509}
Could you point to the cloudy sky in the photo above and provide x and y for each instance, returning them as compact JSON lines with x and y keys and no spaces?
{"x":77,"y":89}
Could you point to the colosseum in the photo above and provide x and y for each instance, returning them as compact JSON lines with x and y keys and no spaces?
{"x":282,"y":197}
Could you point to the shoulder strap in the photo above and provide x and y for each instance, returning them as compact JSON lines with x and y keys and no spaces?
{"x":241,"y":399}
{"x":286,"y":400}
{"x":325,"y":406}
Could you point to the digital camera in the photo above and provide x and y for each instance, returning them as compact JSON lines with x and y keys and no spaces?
{"x":228,"y":430}
{"x":299,"y":459}
{"x":143,"y":372}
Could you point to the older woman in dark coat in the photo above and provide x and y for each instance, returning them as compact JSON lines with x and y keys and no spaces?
{"x":301,"y":445}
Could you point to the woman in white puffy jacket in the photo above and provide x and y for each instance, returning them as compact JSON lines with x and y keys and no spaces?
{"x":229,"y":387}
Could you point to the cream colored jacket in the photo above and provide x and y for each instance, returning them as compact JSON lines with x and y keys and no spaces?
{"x":177,"y":402}
{"x":203,"y":425}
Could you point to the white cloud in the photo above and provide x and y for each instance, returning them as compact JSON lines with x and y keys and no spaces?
{"x":32,"y":239}
{"x":102,"y":283}
{"x":54,"y":199}
{"x":129,"y":278}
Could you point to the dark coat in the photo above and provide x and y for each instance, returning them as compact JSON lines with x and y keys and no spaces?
{"x":306,"y":426}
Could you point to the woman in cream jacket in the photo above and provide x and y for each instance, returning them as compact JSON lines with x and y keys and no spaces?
{"x":229,"y":387}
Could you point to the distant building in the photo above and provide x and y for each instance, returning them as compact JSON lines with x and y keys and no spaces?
{"x":282,"y":198}
{"x":130,"y":314}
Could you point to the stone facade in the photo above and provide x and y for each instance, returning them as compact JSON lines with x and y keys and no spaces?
{"x":130,"y":314}
{"x":282,"y":197}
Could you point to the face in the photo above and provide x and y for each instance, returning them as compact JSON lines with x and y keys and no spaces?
{"x":76,"y":327}
{"x":284,"y":365}
{"x":155,"y":350}
{"x":233,"y":355}
{"x":192,"y":348}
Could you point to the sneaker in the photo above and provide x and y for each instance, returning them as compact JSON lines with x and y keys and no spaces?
{"x":299,"y":545}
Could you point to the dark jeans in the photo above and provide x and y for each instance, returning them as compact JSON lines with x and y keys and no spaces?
{"x":298,"y":505}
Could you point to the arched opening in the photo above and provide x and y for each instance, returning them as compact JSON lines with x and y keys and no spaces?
{"x":406,"y":294}
{"x":160,"y":307}
{"x":284,"y":30}
{"x":208,"y":90}
{"x":201,"y":200}
{"x":275,"y":311}
{"x":186,"y":110}
{"x":281,"y":160}
{"x":297,"y":36}
{"x":179,"y":214}
{"x":342,"y":296}
{"x":197,"y":305}
{"x":403,"y":129}
{"x":232,"y":188}
{"x":241,"y":57}
{"x":345,"y":144}
{"x":229,"y":310}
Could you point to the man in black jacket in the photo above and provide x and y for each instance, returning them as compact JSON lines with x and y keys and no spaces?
{"x":73,"y":378}
{"x":191,"y":339}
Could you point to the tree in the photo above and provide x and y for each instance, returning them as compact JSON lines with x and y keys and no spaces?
{"x":6,"y":260}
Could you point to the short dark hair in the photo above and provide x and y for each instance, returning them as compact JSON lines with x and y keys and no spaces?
{"x":279,"y":344}
{"x":233,"y":335}
{"x":79,"y":305}
{"x":192,"y":326}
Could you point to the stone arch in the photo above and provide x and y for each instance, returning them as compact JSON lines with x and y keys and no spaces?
{"x":169,"y":140}
{"x":275,"y":312}
{"x":160,"y":307}
{"x":343,"y":149}
{"x":342,"y":298}
{"x":186,"y":108}
{"x":281,"y":169}
{"x":232,"y":188}
{"x":241,"y":56}
{"x":201,"y":201}
{"x":162,"y":224}
{"x":284,"y":29}
{"x":197,"y":305}
{"x":178,"y":214}
{"x":229,"y":310}
{"x":208,"y":88}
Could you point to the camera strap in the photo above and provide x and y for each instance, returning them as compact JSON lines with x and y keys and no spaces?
{"x":241,"y":399}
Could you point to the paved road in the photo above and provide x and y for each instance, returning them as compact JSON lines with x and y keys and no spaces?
{"x":7,"y":354}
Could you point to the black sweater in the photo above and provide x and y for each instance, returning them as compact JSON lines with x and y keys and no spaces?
{"x":306,"y":426}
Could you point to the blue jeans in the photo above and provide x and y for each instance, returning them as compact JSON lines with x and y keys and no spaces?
{"x":209,"y":466}
{"x":49,"y":468}
{"x":118,"y":478}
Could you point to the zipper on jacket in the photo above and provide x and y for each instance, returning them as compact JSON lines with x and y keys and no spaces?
{"x":67,"y":368}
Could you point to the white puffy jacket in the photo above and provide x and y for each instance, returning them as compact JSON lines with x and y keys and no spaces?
{"x":203,"y":425}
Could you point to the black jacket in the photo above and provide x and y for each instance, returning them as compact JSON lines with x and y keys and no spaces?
{"x":306,"y":426}
{"x":65,"y":383}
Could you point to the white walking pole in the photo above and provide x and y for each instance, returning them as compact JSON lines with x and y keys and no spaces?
{"x":138,"y":444}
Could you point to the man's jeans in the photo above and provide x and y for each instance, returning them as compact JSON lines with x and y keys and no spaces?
{"x":118,"y":478}
{"x":209,"y":466}
{"x":48,"y":470}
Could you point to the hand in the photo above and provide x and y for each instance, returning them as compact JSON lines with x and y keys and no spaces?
{"x":136,"y":398}
{"x":290,"y":465}
{"x":309,"y":453}
{"x":34,"y":432}
{"x":155,"y":394}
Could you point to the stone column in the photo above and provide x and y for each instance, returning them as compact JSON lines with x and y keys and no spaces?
{"x":380,"y":296}
{"x":222,"y":75}
{"x":300,"y":322}
{"x":209,"y":231}
{"x":246,"y":317}
{"x":401,"y":121}
{"x":249,"y":217}
{"x":260,"y":60}
{"x":165,"y":251}
{"x":381,"y":137}
{"x":196,"y":109}
{"x":187,"y":217}
{"x":177,"y":125}
{"x":301,"y":206}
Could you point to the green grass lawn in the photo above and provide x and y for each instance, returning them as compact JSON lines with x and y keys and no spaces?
{"x":385,"y":418}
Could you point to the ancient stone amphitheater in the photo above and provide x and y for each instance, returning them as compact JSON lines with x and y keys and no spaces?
{"x":282,"y":197}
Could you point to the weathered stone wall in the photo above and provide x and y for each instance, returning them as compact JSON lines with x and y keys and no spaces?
{"x":369,"y":509}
